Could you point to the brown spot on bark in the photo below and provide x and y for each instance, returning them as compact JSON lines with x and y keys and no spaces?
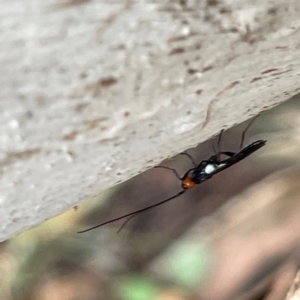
{"x":13,"y":156}
{"x":228,"y":87}
{"x":80,"y":107}
{"x":269,"y":70}
{"x":106,"y":82}
{"x":94,"y":122}
{"x":176,"y":51}
{"x":281,"y":47}
{"x":192,"y":71}
{"x":282,"y":72}
{"x":70,"y":3}
{"x":255,"y":79}
{"x":70,"y":136}
{"x":207,"y":68}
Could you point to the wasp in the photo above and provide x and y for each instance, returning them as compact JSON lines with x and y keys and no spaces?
{"x":201,"y":172}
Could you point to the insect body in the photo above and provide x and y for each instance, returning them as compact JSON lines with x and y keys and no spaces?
{"x":208,"y":168}
{"x":205,"y":170}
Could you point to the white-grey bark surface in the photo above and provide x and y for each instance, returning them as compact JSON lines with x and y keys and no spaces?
{"x":93,"y":92}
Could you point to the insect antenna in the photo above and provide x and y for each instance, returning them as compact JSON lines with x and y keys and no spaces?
{"x":162,"y":167}
{"x":123,"y":225}
{"x":133,"y":213}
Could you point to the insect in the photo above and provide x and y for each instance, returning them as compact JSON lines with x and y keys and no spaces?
{"x":201,"y":172}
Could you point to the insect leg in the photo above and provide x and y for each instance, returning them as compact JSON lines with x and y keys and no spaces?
{"x":189,"y":170}
{"x":171,"y":169}
{"x":244,"y":132}
{"x":214,"y":149}
{"x":219,"y":146}
{"x":190,"y":157}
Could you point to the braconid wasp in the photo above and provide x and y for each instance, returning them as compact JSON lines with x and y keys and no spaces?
{"x":201,"y":172}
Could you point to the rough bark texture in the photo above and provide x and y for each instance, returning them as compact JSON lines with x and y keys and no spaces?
{"x":93,"y":92}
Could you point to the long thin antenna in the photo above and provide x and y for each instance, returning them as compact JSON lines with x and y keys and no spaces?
{"x":133,"y":213}
{"x":123,"y":225}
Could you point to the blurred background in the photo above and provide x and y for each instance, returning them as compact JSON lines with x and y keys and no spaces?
{"x":236,"y":236}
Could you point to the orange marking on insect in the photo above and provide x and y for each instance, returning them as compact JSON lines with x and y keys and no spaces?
{"x":187,"y":183}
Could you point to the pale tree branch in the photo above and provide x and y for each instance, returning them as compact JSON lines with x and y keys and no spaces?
{"x":93,"y":92}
